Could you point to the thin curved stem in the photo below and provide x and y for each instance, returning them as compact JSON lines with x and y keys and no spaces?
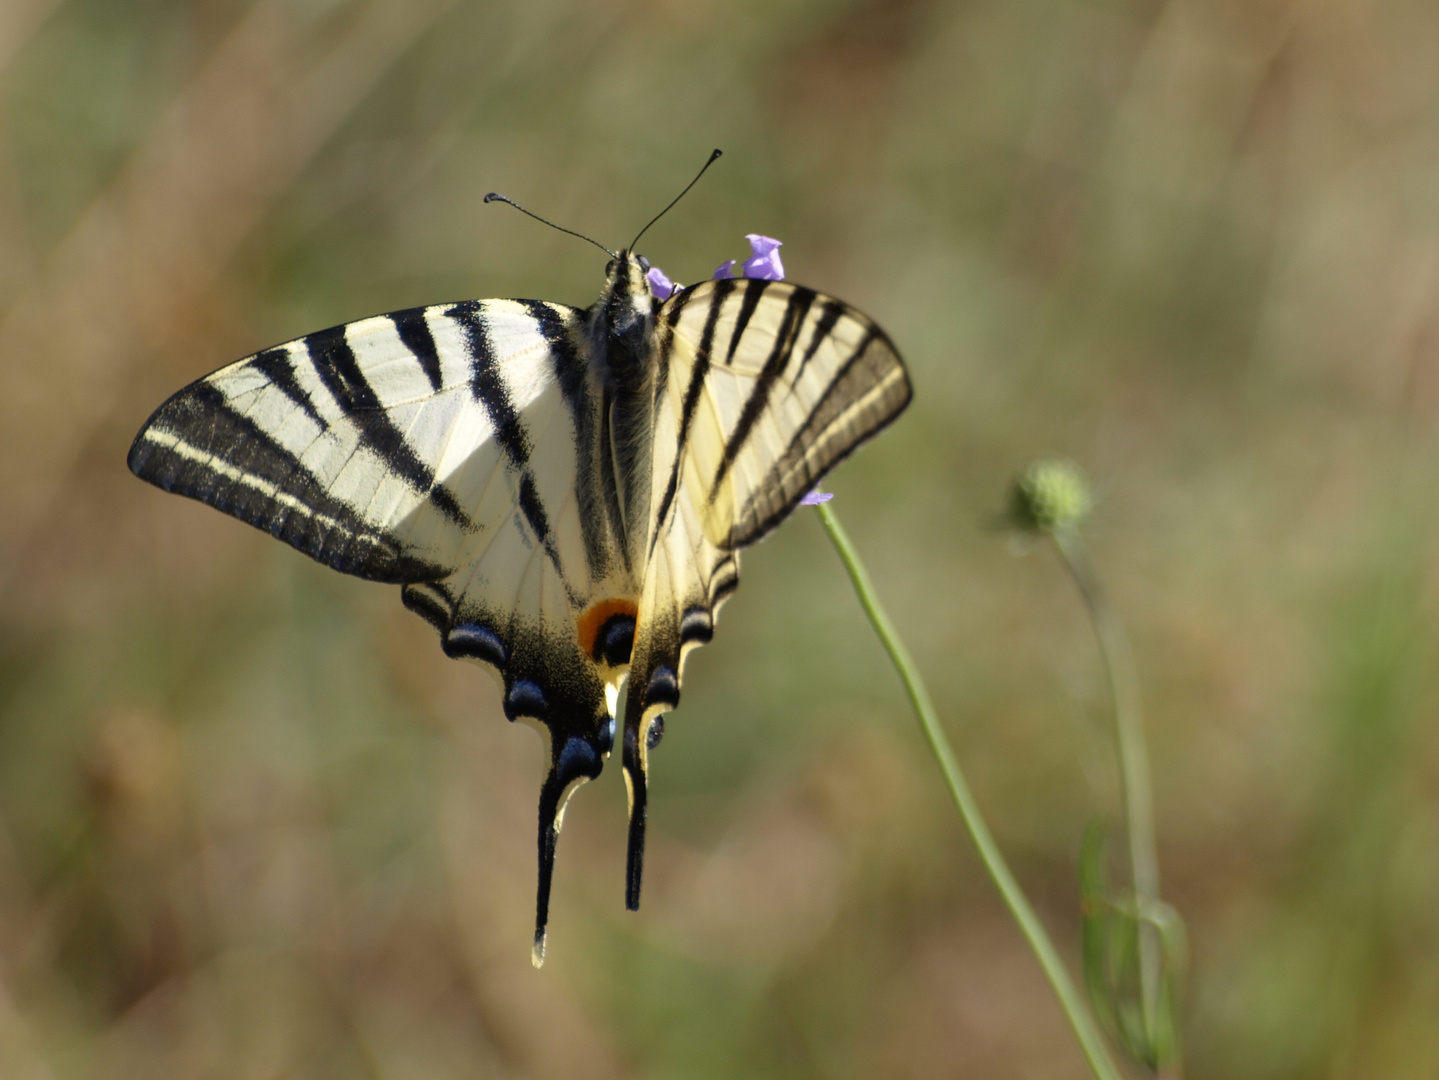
{"x":1070,"y":1000}
{"x":1133,"y":763}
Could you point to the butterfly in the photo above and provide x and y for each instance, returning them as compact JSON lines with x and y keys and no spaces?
{"x":561,"y":492}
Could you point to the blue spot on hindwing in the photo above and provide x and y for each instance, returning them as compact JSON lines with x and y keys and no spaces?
{"x":664,"y":687}
{"x":697,"y":626}
{"x":476,"y":641}
{"x":577,"y":759}
{"x":526,"y":698}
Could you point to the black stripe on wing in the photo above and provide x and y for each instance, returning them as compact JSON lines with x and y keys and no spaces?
{"x":753,"y":289}
{"x":694,"y":389}
{"x":197,"y":445}
{"x":275,"y":364}
{"x":784,"y":342}
{"x":870,"y":389}
{"x":600,"y":517}
{"x":487,"y":383}
{"x":335,"y":363}
{"x":724,"y":581}
{"x":665,"y":328}
{"x":414,"y":331}
{"x":833,"y":309}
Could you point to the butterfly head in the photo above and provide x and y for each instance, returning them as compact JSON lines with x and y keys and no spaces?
{"x":625,"y":313}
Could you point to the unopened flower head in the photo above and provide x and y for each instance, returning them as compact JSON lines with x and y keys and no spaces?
{"x":1050,"y":496}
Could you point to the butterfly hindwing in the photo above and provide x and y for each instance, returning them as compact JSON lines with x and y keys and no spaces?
{"x":686,"y":580}
{"x":762,"y":388}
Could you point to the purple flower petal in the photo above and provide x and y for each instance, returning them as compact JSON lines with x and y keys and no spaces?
{"x":660,"y":285}
{"x":815,"y":497}
{"x":724,"y":270}
{"x":764,"y":258}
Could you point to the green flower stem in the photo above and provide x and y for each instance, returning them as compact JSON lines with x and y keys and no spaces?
{"x":1133,"y":763}
{"x":1069,"y":998}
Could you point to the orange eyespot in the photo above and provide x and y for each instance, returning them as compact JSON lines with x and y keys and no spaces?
{"x":607,"y":630}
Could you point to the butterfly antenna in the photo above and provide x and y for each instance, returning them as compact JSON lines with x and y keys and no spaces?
{"x":495,"y":196}
{"x":713,"y":158}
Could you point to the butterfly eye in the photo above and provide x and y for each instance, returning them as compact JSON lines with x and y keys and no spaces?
{"x":644,"y":263}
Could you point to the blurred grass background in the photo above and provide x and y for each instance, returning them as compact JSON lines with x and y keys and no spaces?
{"x":253,"y":824}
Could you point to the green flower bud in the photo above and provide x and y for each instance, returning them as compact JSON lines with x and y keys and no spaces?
{"x":1049,"y":496}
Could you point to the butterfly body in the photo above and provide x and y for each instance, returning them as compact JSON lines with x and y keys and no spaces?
{"x":562,"y":493}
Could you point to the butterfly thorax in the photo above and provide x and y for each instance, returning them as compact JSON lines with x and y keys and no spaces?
{"x":620,"y":327}
{"x":621,"y":323}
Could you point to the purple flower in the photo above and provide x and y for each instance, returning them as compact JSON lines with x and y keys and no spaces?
{"x":764,"y":258}
{"x":763,"y":263}
{"x":660,"y":285}
{"x":815,"y":497}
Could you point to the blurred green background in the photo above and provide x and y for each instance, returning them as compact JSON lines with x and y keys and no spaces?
{"x":253,"y":824}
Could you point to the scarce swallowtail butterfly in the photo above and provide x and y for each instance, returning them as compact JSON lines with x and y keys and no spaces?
{"x":562,"y":492}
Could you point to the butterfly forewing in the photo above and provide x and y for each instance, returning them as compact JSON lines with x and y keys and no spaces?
{"x":773,"y":385}
{"x":355,"y":445}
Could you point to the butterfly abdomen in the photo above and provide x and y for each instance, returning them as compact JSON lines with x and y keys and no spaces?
{"x":623,"y":352}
